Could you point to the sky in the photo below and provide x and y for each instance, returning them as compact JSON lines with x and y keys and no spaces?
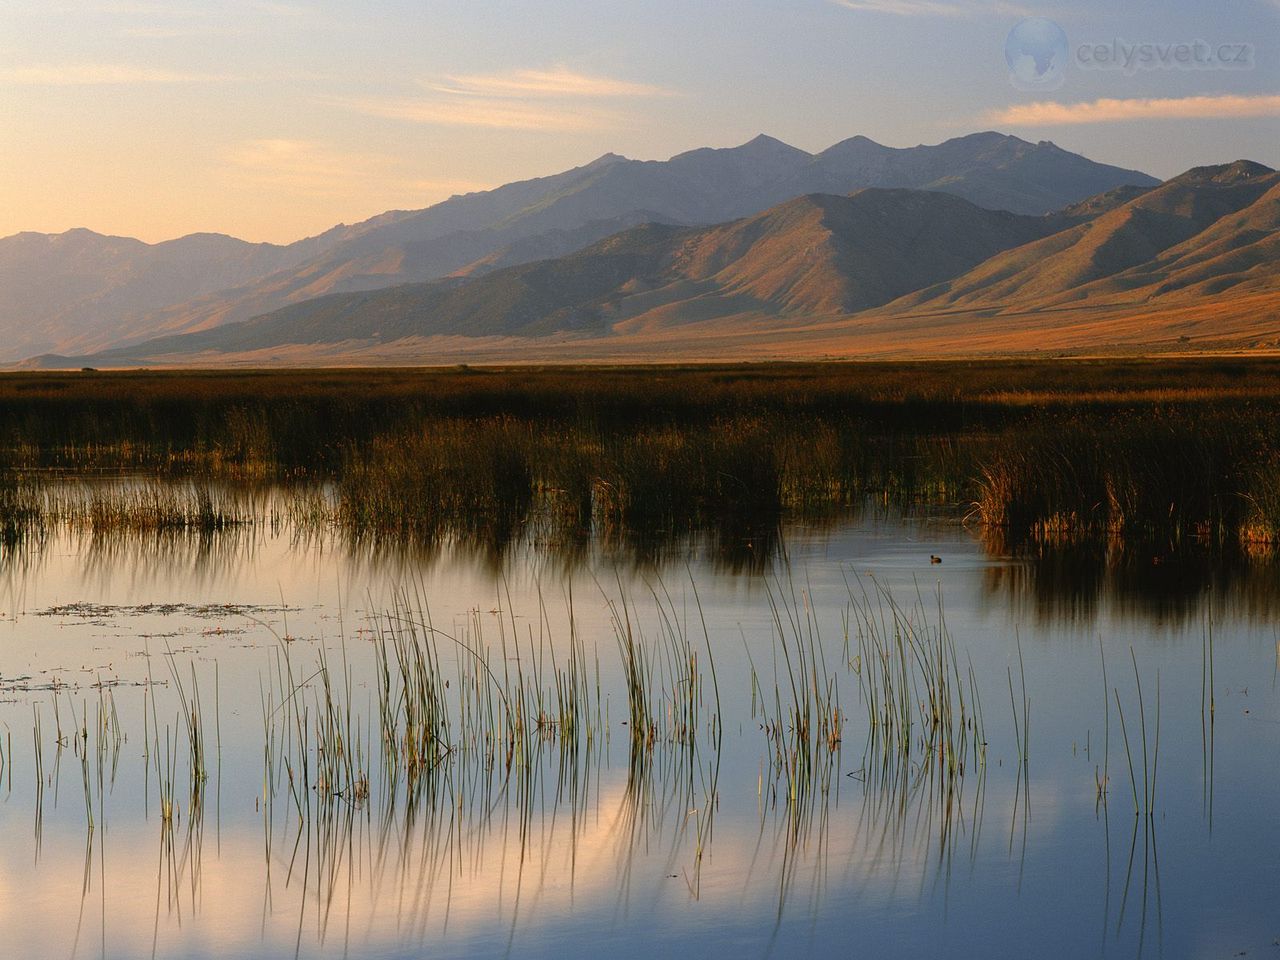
{"x":273,"y":120}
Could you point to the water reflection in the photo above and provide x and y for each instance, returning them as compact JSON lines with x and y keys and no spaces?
{"x":825,"y":801}
{"x":205,"y":556}
{"x":1068,"y":581}
{"x":1157,"y":582}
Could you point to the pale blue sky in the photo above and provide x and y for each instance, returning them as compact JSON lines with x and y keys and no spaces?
{"x":272,"y":120}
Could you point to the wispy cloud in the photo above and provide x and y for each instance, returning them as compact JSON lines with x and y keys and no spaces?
{"x":1050,"y":114}
{"x":171,"y":21}
{"x":550,"y":99}
{"x":313,"y":169}
{"x":292,"y":10}
{"x":178,"y":32}
{"x":484,"y":112}
{"x":164,"y":19}
{"x":169,"y":9}
{"x":937,"y":8}
{"x":99,"y":74}
{"x":559,"y":81}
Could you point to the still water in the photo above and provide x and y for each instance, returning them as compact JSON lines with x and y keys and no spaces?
{"x":697,"y":844}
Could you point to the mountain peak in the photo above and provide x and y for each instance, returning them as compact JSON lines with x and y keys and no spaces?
{"x":605,"y":160}
{"x":1225,"y":173}
{"x":77,"y":233}
{"x":764,"y":145}
{"x":992,"y":142}
{"x":763,"y":152}
{"x":853,"y":147}
{"x":990,"y":136}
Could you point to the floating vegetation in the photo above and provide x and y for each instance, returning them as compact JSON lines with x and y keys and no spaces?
{"x":83,"y":609}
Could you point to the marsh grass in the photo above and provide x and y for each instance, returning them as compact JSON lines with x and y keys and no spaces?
{"x":797,"y":707}
{"x":480,"y":726}
{"x":497,"y":724}
{"x":1043,"y":451}
{"x":480,"y":712}
{"x":1166,"y":472}
{"x":1208,"y":712}
{"x":662,"y":676}
{"x":924,"y":711}
{"x":1143,"y":767}
{"x":30,"y":508}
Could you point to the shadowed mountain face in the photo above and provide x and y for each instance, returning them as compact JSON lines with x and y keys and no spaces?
{"x":1207,"y":231}
{"x":814,"y":256}
{"x":80,"y":291}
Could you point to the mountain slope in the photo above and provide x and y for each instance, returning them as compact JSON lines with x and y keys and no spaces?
{"x":1193,"y":264}
{"x":817,"y":255}
{"x":519,"y":223}
{"x":704,"y":186}
{"x":81,"y":288}
{"x":1208,"y":225}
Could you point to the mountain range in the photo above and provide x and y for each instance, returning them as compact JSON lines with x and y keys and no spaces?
{"x":819,"y":255}
{"x":984,"y":244}
{"x":1191,"y":262}
{"x":81,"y":292}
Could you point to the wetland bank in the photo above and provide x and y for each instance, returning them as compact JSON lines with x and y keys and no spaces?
{"x":555,"y":661}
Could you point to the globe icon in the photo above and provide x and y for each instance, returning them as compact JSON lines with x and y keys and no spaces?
{"x":1036,"y":51}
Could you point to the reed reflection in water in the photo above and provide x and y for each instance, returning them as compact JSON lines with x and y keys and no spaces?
{"x":561,"y":745}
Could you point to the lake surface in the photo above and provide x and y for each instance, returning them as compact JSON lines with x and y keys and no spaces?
{"x":703,"y":841}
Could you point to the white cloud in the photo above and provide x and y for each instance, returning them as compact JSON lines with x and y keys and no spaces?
{"x":1049,"y":113}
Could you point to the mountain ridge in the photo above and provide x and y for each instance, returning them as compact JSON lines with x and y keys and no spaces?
{"x":1108,"y":256}
{"x":815,"y":255}
{"x":474,"y":233}
{"x":881,"y":271}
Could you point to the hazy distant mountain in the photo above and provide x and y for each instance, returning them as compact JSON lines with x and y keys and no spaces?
{"x":814,"y":256}
{"x":990,"y":169}
{"x":124,"y":293}
{"x":81,"y":288}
